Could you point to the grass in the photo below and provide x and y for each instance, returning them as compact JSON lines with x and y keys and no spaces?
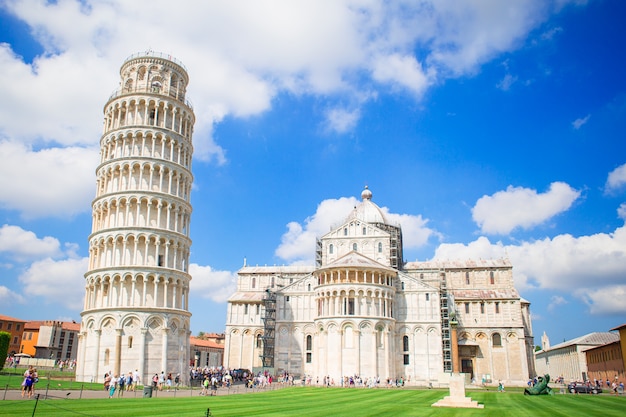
{"x":314,"y":401}
{"x":12,"y":379}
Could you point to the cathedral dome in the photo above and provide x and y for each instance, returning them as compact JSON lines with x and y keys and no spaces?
{"x":367,"y":211}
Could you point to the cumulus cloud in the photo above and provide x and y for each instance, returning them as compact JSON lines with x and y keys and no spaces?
{"x":580,"y":122}
{"x":404,"y":71}
{"x":23,"y":245}
{"x":59,"y":282}
{"x":516,"y":207}
{"x":556,"y":301}
{"x":9,"y":298}
{"x":342,"y":120}
{"x":616,"y":179}
{"x":605,"y":301}
{"x":298,"y":243}
{"x":591,"y":268}
{"x":211,"y":284}
{"x":505,"y":83}
{"x":52,"y":182}
{"x":238,"y":64}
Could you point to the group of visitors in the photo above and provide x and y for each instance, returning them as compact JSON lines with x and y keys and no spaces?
{"x":30,"y":379}
{"x":160,"y":380}
{"x":121,"y":383}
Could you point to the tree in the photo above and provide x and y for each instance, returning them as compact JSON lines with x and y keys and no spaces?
{"x":5,"y":340}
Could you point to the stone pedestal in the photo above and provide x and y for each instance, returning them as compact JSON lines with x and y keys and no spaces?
{"x":457,"y":398}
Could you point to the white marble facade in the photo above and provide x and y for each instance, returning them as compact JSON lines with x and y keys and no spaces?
{"x":363,"y":311}
{"x":136,"y":314}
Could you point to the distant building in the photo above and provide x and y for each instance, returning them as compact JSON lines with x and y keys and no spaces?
{"x":607,"y":361}
{"x":15,"y":327}
{"x":29,"y":337}
{"x":569,"y":359}
{"x":361,"y":310}
{"x":206,"y":352}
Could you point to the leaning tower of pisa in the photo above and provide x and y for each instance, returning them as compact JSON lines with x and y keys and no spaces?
{"x":136,"y":314}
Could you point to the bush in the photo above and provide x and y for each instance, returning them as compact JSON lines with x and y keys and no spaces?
{"x":5,"y":340}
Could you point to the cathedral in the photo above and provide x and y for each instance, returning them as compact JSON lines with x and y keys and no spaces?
{"x":362,"y":311}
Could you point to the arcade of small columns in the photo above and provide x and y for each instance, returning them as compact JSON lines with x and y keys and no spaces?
{"x":137,"y":290}
{"x":334,"y":300}
{"x":141,"y":211}
{"x":146,"y":144}
{"x":138,"y":251}
{"x":146,"y":176}
{"x":147,"y":111}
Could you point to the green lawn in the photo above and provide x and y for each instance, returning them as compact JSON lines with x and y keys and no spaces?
{"x":315,"y":401}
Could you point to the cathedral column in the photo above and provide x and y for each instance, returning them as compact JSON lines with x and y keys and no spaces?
{"x":142,"y":356}
{"x":166,"y":331}
{"x":96,"y":359}
{"x":118,"y":352}
{"x":455,"y":346}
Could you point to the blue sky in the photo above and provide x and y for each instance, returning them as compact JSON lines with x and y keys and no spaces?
{"x":486,"y":128}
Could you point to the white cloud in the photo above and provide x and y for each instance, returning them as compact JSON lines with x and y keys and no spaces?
{"x":621,"y":211}
{"x":585,"y":267}
{"x":605,"y":301}
{"x":298,"y":243}
{"x":240,"y":56}
{"x":214,"y":285}
{"x":616,"y":179}
{"x":404,"y":71}
{"x":506,"y":83}
{"x":54,"y":182}
{"x":556,"y":301}
{"x":8,"y":297}
{"x":57,"y":282}
{"x":580,"y":122}
{"x":521,"y":207}
{"x":23,"y":244}
{"x":342,"y":120}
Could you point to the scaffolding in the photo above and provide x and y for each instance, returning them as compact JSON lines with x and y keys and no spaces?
{"x":269,"y":329}
{"x":445,"y":324}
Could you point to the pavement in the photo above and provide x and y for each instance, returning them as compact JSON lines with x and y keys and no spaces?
{"x":55,"y":394}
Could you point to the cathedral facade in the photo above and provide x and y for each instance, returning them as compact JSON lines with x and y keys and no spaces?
{"x":362,"y":311}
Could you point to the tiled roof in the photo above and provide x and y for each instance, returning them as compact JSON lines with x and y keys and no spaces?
{"x":247,"y":296}
{"x":194,"y":341}
{"x":591,"y":339}
{"x":7,"y":318}
{"x":278,"y":270}
{"x":507,"y":293}
{"x":458,"y":264}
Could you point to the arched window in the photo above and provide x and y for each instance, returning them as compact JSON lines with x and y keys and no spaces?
{"x":364,"y":231}
{"x":272,"y":282}
{"x":496,"y":339}
{"x":345,"y":231}
{"x":259,"y":341}
{"x":467,"y":280}
{"x":403,"y":285}
{"x":253,"y":282}
{"x":309,"y":349}
{"x":380,"y":247}
{"x":405,"y":344}
{"x":130,"y":342}
{"x":492,"y":279}
{"x":354,"y":246}
{"x":330,"y":248}
{"x":308,"y":287}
